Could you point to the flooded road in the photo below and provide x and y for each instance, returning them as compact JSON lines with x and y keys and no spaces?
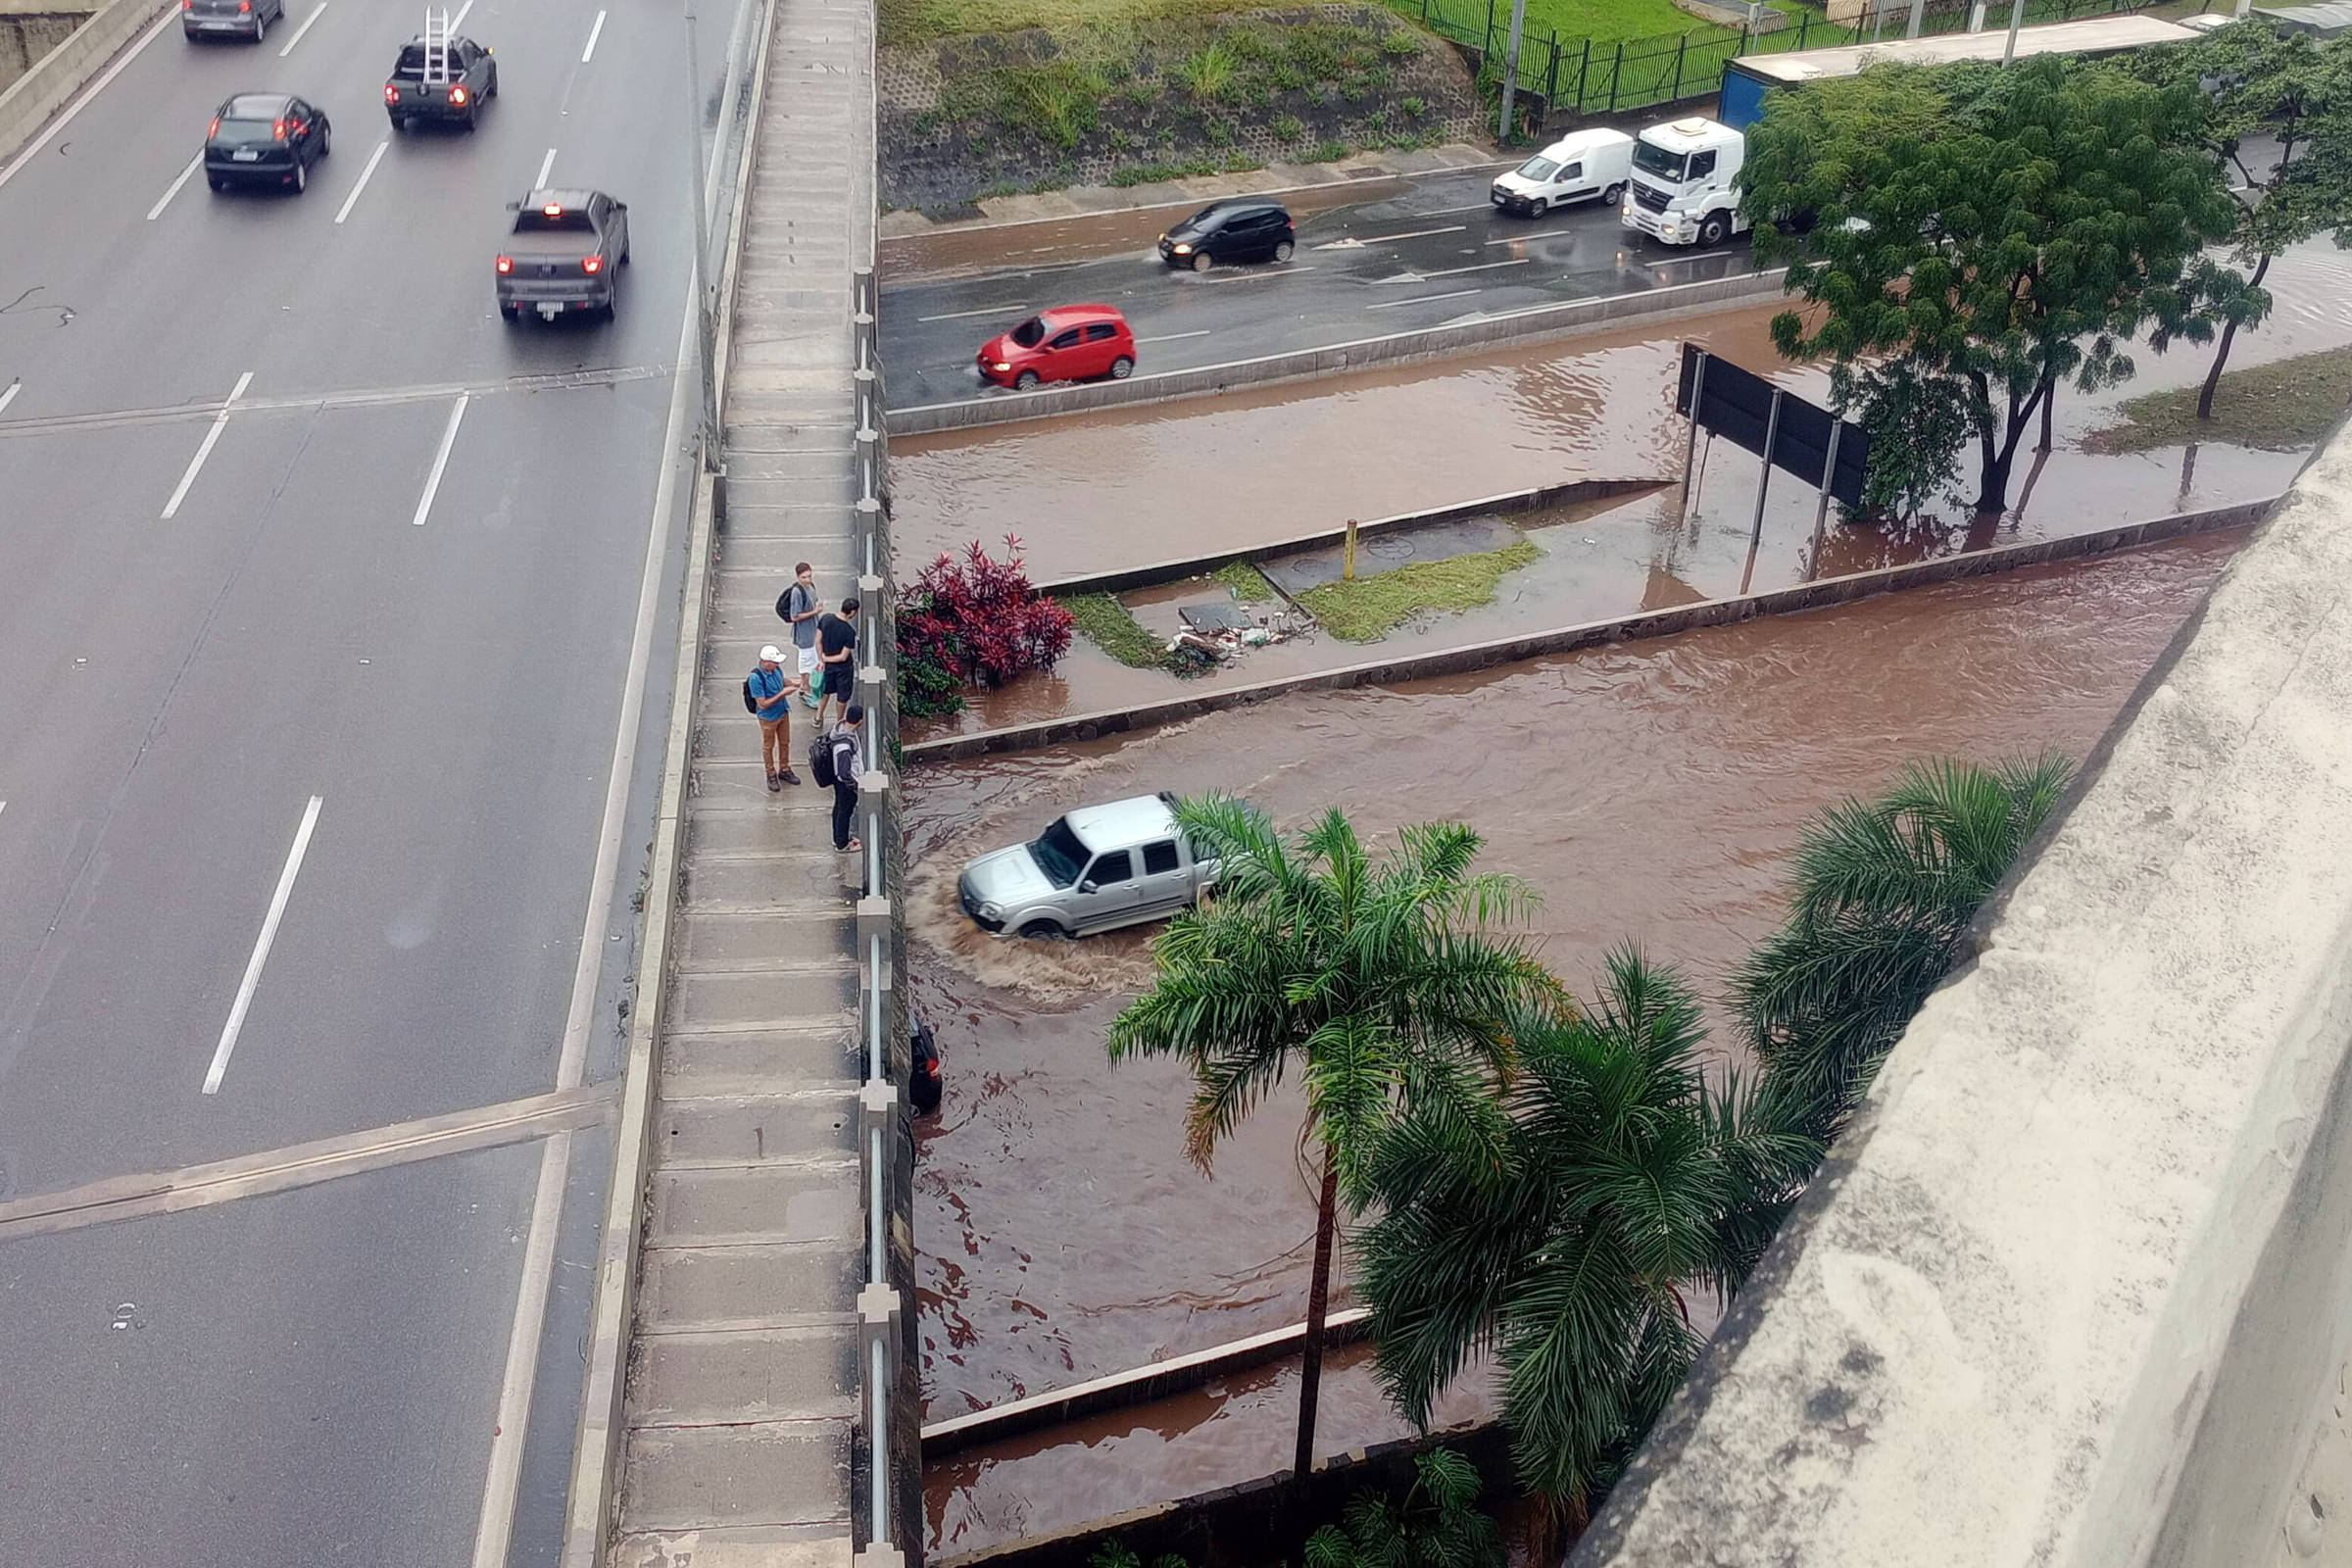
{"x":1651,"y":791}
{"x":1108,"y":490}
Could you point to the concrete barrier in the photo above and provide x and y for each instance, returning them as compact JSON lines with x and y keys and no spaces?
{"x":1563,"y":639}
{"x":2076,"y":1291}
{"x":1508,"y":503}
{"x":1527,"y":325}
{"x":29,"y":106}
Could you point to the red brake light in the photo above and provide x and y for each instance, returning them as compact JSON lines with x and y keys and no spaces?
{"x":391,"y":88}
{"x":277,"y":130}
{"x":456,"y":97}
{"x":187,"y":5}
{"x":244,"y":6}
{"x":505,"y":264}
{"x":552,"y":208}
{"x":216,"y":131}
{"x":592,"y":264}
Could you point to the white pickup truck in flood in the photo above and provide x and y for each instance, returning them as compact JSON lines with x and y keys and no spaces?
{"x":1095,"y":869}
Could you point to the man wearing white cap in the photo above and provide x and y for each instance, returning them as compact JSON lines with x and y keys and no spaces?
{"x":769,"y":691}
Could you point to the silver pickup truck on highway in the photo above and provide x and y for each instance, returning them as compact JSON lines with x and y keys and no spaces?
{"x":1097,"y":868}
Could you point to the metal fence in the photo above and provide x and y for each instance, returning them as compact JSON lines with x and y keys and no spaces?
{"x":1583,"y":76}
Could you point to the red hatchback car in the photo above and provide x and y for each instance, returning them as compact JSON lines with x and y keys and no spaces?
{"x":1067,"y":343}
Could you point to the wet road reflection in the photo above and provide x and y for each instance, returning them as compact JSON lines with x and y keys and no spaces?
{"x":1651,"y":791}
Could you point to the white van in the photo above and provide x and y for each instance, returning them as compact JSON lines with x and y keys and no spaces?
{"x":1579,"y":166}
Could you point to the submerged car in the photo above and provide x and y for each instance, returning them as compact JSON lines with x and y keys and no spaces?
{"x":1067,"y":343}
{"x":1248,"y":228}
{"x":265,"y":138}
{"x":1095,"y":869}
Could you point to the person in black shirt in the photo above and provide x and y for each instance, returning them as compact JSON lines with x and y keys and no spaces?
{"x":837,"y":657}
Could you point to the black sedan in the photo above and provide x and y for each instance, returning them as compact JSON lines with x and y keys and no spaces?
{"x":1247,"y":228}
{"x":265,"y":138}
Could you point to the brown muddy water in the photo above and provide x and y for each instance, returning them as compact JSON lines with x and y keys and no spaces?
{"x":1103,"y":491}
{"x":1651,"y":791}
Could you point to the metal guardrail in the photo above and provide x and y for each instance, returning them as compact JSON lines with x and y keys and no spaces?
{"x":880,"y":1101}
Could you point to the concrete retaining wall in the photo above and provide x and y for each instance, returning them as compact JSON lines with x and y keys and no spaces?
{"x":67,"y":68}
{"x":1398,"y":347}
{"x":1563,"y":639}
{"x":28,"y":33}
{"x":1508,"y":503}
{"x":2076,"y":1289}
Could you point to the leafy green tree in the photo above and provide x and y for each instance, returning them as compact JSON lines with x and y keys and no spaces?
{"x":1436,"y":1523}
{"x":1919,"y":424}
{"x":1885,"y":892}
{"x":1379,"y":982}
{"x":1558,"y":1227}
{"x":2267,"y":94}
{"x":2007,"y":228}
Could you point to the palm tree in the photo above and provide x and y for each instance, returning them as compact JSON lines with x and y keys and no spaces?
{"x":1885,"y":893}
{"x":1558,"y":1227}
{"x":1378,"y":982}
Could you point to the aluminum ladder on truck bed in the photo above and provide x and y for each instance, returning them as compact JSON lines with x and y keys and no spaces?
{"x":436,"y":48}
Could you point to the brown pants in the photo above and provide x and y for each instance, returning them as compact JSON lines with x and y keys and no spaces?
{"x":775,"y":743}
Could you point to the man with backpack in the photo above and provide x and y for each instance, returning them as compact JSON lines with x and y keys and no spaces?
{"x":837,"y":657}
{"x":767,"y":693}
{"x":799,"y":608}
{"x":835,"y":759}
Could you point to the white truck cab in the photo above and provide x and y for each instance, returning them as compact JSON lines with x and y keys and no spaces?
{"x":1579,"y":166}
{"x":1685,"y":183}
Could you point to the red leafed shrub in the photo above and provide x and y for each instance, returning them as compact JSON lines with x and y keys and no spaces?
{"x":974,"y":618}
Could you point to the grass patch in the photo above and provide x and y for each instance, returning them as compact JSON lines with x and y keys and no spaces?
{"x":1358,"y":611}
{"x":1248,"y":584}
{"x":1103,"y":622}
{"x":1602,"y":21}
{"x":905,"y":21}
{"x":2274,"y":408}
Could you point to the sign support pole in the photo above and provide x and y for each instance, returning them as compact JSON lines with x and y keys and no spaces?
{"x":1698,"y":391}
{"x":1821,"y":514}
{"x":1772,"y":441}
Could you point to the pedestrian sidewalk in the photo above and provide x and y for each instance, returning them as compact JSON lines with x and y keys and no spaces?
{"x":742,"y":1397}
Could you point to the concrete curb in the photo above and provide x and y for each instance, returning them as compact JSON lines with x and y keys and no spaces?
{"x":1299,"y":365}
{"x":35,"y":97}
{"x":1564,"y":639}
{"x":590,"y":1502}
{"x":1513,"y":501}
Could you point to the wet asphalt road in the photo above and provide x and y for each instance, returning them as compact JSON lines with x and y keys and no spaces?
{"x":341,"y":661}
{"x":1434,"y":253}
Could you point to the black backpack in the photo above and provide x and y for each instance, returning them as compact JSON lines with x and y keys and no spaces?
{"x":751,"y":704}
{"x":820,"y":761}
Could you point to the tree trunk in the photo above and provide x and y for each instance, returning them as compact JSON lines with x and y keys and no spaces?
{"x":2221,"y":354}
{"x":2049,"y":406}
{"x":1318,"y":1304}
{"x":1995,"y":459}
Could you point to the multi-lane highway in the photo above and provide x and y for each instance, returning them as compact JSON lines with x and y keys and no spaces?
{"x":1431,"y":253}
{"x":323,"y":595}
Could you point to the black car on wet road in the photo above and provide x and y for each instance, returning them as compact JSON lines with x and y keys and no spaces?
{"x":265,"y":138}
{"x":1248,"y":228}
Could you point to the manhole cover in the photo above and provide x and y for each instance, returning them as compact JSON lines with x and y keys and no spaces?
{"x":1388,"y":549}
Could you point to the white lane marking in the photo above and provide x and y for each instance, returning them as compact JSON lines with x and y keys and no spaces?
{"x":985,"y":309}
{"x":1351,"y":242}
{"x":594,"y":33}
{"x":8,"y":393}
{"x":365,"y":174}
{"x":33,"y":148}
{"x":307,"y":22}
{"x":185,"y":174}
{"x":1448,"y":212}
{"x":458,"y":21}
{"x":1170,"y":337}
{"x":205,"y":450}
{"x":432,"y":480}
{"x":261,"y":948}
{"x":1423,"y":299}
{"x":495,"y":1522}
{"x":1482,"y":266}
{"x":547,"y":167}
{"x":1252,"y":277}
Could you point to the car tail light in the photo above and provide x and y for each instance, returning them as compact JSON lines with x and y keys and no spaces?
{"x":456,"y":97}
{"x":592,"y":264}
{"x":552,"y":208}
{"x":244,"y":7}
{"x":216,"y":131}
{"x":277,"y":130}
{"x":391,"y":88}
{"x":505,"y":264}
{"x":187,"y":5}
